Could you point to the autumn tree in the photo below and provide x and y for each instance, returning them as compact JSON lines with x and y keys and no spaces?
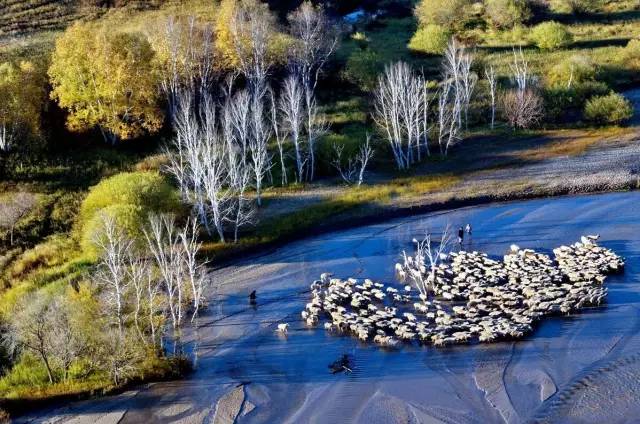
{"x":316,"y":39}
{"x":184,"y":53}
{"x":22,"y":90}
{"x":247,"y":38}
{"x":105,"y":79}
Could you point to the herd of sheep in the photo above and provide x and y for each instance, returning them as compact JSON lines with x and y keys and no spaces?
{"x":468,"y":297}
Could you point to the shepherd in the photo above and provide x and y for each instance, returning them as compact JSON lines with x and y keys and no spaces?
{"x":460,"y":235}
{"x":468,"y":229}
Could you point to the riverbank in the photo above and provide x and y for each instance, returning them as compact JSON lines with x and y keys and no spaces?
{"x":584,"y":164}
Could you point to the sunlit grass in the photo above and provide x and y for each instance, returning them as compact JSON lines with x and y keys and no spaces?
{"x":351,"y":202}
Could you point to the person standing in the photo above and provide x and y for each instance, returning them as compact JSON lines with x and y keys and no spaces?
{"x":460,"y":235}
{"x":468,"y":229}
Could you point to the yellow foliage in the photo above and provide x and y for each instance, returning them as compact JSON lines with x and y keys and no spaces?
{"x":22,"y":90}
{"x":106,"y":79}
{"x":227,"y":44}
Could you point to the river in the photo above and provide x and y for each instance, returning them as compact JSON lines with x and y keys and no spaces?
{"x":578,"y":368}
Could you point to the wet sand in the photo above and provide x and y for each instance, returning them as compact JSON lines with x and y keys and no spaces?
{"x":579,"y":368}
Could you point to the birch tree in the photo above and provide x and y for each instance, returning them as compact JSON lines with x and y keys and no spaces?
{"x":260,"y":158}
{"x":316,"y":39}
{"x":185,"y":51}
{"x":162,"y":241}
{"x":195,"y":271}
{"x":112,"y":271}
{"x":291,"y":106}
{"x":280,"y":132}
{"x":252,"y":27}
{"x":400,"y":112}
{"x":356,"y":166}
{"x":420,"y":268}
{"x":490,"y":75}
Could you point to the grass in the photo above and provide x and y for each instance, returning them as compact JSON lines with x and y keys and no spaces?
{"x":572,"y":144}
{"x":349,"y":203}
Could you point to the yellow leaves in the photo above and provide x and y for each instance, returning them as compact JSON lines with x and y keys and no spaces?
{"x":106,"y":79}
{"x":22,"y":90}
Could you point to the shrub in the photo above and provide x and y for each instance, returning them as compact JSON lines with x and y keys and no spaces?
{"x":558,"y":100}
{"x":631,"y":54}
{"x":573,"y":70}
{"x":507,"y":13}
{"x":521,"y":109}
{"x":148,"y":190}
{"x":610,"y":109}
{"x":430,"y":39}
{"x":362,"y":69}
{"x":130,"y":218}
{"x":551,"y":35}
{"x":448,"y":13}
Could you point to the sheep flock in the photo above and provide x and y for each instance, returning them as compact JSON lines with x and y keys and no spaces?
{"x":466,"y":298}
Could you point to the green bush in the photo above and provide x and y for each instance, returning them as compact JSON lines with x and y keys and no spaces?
{"x":562,"y":103}
{"x":507,"y":13}
{"x":129,"y":218}
{"x":430,"y":39}
{"x":551,"y":35}
{"x":148,"y":190}
{"x":448,"y":13}
{"x":610,"y":109}
{"x":28,"y":371}
{"x":363,"y":68}
{"x":575,"y":69}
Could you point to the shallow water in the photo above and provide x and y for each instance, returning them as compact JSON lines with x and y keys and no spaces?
{"x":580,"y":368}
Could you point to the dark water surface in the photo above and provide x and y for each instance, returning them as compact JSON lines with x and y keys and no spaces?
{"x":580,"y":368}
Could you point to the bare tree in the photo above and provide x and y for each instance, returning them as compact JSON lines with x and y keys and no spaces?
{"x":520,"y":71}
{"x":316,"y":126}
{"x":139,"y":272}
{"x":195,"y":270}
{"x":468,"y":83}
{"x":30,"y":328}
{"x":186,"y":48}
{"x":120,"y":355}
{"x":449,"y":106}
{"x":291,"y":105}
{"x":13,"y":209}
{"x":522,"y":106}
{"x":155,"y":308}
{"x":316,"y":39}
{"x":68,"y":344}
{"x":260,"y":158}
{"x":426,"y":101}
{"x":365,"y":153}
{"x":347,"y":173}
{"x":522,"y":109}
{"x":163,"y":241}
{"x":356,"y":166}
{"x":252,"y":28}
{"x":490,"y":74}
{"x":420,"y":269}
{"x":280,"y":132}
{"x":112,"y":270}
{"x":400,"y":111}
{"x":216,"y":172}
